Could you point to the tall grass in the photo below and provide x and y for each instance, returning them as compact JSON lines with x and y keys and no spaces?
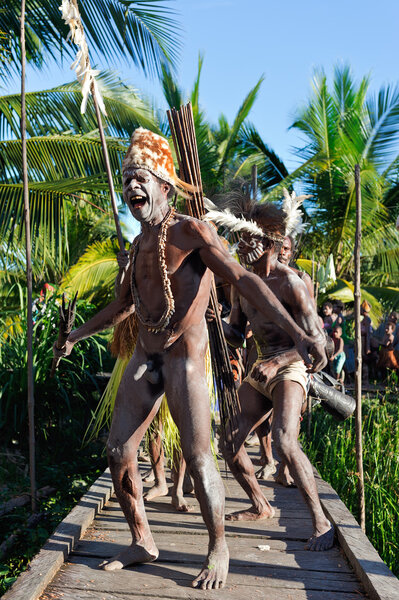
{"x":332,"y":451}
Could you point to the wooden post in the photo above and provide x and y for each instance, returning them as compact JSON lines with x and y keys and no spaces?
{"x":313,"y":273}
{"x":358,"y":354}
{"x":316,"y":294}
{"x":254,"y":182}
{"x":309,"y":416}
{"x":29,"y":319}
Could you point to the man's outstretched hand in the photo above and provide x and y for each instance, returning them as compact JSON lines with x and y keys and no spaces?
{"x":312,"y":346}
{"x":64,"y":351}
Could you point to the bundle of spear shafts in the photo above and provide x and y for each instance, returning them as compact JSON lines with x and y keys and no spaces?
{"x":182,"y":128}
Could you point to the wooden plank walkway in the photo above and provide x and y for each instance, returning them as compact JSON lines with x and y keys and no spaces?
{"x":267,"y":557}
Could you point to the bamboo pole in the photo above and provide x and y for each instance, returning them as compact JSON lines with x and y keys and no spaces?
{"x":29,"y":318}
{"x":358,"y":354}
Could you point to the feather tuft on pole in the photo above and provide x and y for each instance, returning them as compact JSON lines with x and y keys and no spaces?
{"x":81,"y":65}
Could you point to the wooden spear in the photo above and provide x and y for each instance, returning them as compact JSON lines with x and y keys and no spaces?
{"x":108,"y":171}
{"x":29,"y":319}
{"x":358,"y":354}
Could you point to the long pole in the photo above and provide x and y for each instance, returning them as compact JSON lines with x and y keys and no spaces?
{"x":29,"y":319}
{"x":108,"y":170}
{"x":254,"y":174}
{"x":358,"y":354}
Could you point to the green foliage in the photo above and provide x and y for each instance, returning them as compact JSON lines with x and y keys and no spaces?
{"x":66,"y":397}
{"x":93,"y":275}
{"x":343,"y":126}
{"x":141,"y":30}
{"x":61,"y":464}
{"x":332,"y":451}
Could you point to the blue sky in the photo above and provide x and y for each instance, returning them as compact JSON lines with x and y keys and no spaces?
{"x":285,"y":41}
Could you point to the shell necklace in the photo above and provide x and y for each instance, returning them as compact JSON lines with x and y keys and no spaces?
{"x":163,"y":322}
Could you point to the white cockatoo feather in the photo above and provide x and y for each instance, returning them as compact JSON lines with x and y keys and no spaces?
{"x":225,"y":218}
{"x":81,"y":65}
{"x":293,"y":218}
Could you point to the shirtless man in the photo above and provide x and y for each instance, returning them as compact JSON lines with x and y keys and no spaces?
{"x":278,"y":379}
{"x":168,"y":285}
{"x":285,"y":256}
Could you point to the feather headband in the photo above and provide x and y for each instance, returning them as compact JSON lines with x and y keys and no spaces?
{"x":293,"y":218}
{"x":225,"y":218}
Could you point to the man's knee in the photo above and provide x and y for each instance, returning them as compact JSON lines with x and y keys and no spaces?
{"x":120,"y":454}
{"x":286,"y":442}
{"x":199,"y":462}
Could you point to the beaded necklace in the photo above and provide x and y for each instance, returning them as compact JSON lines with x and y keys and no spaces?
{"x":163,"y":322}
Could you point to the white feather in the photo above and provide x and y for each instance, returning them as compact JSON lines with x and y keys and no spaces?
{"x":293,"y":219}
{"x":85,"y":74}
{"x":224,"y":218}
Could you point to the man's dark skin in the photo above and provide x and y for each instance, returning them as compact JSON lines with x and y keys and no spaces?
{"x":191,"y":247}
{"x":286,"y":398}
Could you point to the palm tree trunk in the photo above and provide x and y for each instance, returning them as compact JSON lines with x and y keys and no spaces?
{"x":29,"y":324}
{"x":358,"y":353}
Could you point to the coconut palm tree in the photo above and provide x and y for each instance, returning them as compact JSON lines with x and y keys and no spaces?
{"x":344,"y":126}
{"x":68,"y":187}
{"x":143,"y":31}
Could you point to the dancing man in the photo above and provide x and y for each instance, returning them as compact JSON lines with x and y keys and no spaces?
{"x":167,"y":285}
{"x":278,"y":379}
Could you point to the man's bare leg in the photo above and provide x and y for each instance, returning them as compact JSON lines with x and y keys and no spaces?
{"x":254,"y":406}
{"x":155,"y":450}
{"x":178,"y":475}
{"x":284,"y":476}
{"x":268,"y":464}
{"x":136,"y":404}
{"x":188,"y":399}
{"x":287,"y":402}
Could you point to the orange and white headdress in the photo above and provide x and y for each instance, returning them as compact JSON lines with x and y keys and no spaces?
{"x":151,"y":151}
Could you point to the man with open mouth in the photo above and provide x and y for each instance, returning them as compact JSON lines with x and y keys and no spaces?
{"x":167,"y":286}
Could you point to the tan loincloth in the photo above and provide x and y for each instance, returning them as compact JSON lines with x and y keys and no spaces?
{"x":295,"y":371}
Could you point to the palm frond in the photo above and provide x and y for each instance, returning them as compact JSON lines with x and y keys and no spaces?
{"x":144,"y":31}
{"x":93,"y":276}
{"x":231,"y":138}
{"x":254,"y":151}
{"x":57,"y":110}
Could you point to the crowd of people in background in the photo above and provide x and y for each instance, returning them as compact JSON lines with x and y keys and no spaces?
{"x":380,"y":345}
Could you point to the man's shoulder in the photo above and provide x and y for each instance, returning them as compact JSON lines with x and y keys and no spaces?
{"x":291,"y":283}
{"x":194,"y":227}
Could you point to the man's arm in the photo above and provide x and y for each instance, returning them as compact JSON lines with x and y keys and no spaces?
{"x":123,"y":260}
{"x":256,"y":292}
{"x":296,"y":296}
{"x":111,"y":315}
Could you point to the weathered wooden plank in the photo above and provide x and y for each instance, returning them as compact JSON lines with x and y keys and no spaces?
{"x":170,"y":592}
{"x":289,"y":502}
{"x":289,"y":510}
{"x":269,"y":528}
{"x":179,"y":549}
{"x":379,"y":582}
{"x":83,"y":572}
{"x":124,"y":537}
{"x":47,"y":562}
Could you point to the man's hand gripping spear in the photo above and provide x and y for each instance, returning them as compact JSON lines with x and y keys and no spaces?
{"x":67,"y":318}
